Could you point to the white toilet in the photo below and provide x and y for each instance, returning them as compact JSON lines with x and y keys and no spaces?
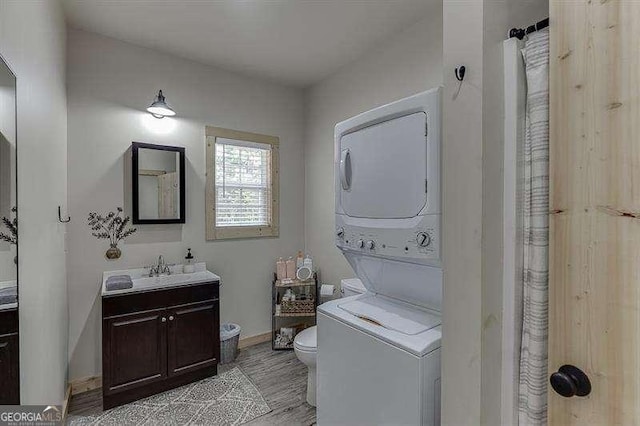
{"x":305,"y":344}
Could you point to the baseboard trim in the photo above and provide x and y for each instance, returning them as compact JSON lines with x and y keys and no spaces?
{"x":65,"y":404}
{"x":254,"y":340}
{"x":85,"y":384}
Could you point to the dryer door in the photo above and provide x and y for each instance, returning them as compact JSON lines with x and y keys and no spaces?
{"x":383,"y":169}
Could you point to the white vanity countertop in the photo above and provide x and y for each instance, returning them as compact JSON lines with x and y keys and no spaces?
{"x":7,"y":306}
{"x":143,"y":282}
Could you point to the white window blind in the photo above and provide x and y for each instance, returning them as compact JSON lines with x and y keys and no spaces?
{"x":243,"y":186}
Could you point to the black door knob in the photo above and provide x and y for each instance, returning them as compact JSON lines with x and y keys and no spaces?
{"x":570,"y":381}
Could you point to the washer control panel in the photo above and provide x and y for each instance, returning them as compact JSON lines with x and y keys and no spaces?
{"x":419,"y":243}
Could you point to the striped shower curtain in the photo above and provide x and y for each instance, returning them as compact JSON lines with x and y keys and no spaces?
{"x":532,"y":398}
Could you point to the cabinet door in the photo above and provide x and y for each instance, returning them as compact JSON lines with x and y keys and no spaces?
{"x":9,"y":377}
{"x":194,"y":340}
{"x":135,"y":352}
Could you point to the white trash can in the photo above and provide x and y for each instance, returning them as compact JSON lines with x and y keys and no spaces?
{"x":229,"y":336}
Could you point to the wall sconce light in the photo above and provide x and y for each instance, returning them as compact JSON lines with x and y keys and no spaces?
{"x":159,"y":107}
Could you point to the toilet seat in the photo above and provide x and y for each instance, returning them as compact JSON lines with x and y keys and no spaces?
{"x":307,"y":340}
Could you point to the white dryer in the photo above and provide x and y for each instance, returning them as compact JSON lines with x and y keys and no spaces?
{"x":379,"y":353}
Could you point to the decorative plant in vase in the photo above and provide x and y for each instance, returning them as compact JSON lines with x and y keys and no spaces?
{"x":12,"y":227}
{"x":112,"y":227}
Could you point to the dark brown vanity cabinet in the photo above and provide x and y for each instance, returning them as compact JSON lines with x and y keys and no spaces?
{"x":9,"y":358}
{"x":157,"y":340}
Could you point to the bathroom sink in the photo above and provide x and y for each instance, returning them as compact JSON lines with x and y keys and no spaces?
{"x":170,"y":280}
{"x":143,"y":282}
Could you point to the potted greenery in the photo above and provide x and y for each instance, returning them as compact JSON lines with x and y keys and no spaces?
{"x":112,"y":227}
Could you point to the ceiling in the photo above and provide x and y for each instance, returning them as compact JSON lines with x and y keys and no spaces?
{"x":295,"y":42}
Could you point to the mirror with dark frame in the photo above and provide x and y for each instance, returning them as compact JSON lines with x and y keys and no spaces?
{"x":9,"y":355}
{"x":158,"y":183}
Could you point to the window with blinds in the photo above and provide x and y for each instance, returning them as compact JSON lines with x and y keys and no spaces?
{"x":242,"y":197}
{"x":243,"y":188}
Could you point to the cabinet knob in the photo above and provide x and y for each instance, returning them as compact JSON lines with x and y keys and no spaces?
{"x":163,"y":319}
{"x":171,"y":318}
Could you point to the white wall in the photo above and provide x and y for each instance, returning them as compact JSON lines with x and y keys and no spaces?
{"x":32,"y":40}
{"x":405,"y":64}
{"x":462,"y":213}
{"x":110,"y":83}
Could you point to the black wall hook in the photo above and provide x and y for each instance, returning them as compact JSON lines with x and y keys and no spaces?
{"x":67,"y":220}
{"x":460,"y":71}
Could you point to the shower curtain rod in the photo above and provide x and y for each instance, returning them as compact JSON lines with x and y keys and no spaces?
{"x":519,"y":33}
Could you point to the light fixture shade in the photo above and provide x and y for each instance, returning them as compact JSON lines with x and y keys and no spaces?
{"x":159,"y":107}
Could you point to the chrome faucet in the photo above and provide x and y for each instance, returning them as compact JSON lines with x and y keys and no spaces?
{"x":159,"y":269}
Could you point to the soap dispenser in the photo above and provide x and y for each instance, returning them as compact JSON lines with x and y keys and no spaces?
{"x":189,"y":263}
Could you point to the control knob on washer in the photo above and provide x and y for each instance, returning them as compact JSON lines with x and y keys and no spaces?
{"x":423,"y":239}
{"x":360,"y":244}
{"x":340,"y":232}
{"x":371,"y":244}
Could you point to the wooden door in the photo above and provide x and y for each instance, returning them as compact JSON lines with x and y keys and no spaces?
{"x":595,"y":208}
{"x":9,"y":375}
{"x":135,"y":352}
{"x":194,"y":341}
{"x":168,"y":195}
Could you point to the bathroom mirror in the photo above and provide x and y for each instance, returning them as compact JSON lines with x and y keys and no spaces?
{"x":8,"y":195}
{"x":158,"y":180}
{"x":9,"y":339}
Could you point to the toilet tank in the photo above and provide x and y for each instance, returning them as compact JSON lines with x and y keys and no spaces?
{"x":352,"y":287}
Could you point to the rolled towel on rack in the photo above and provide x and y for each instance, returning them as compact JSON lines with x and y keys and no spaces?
{"x":119,"y":282}
{"x":8,"y":295}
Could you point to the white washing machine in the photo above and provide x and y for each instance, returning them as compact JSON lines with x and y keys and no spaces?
{"x":378,"y":359}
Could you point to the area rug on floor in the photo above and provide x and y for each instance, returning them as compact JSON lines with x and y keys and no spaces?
{"x":227,"y":399}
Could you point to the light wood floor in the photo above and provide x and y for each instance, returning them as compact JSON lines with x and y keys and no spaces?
{"x":279,"y":376}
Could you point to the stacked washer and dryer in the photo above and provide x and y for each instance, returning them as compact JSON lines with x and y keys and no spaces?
{"x":378,"y":353}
